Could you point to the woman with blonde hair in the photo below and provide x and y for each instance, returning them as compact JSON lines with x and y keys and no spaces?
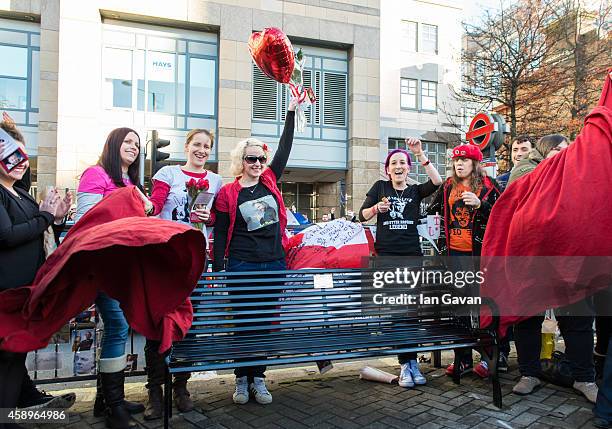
{"x":171,"y":201}
{"x":236,"y":238}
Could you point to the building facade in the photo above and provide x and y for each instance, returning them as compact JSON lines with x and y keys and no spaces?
{"x":420,"y":61}
{"x":78,"y":69}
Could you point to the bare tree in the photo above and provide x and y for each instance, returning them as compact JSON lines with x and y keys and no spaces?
{"x":580,"y":55}
{"x":502,"y":54}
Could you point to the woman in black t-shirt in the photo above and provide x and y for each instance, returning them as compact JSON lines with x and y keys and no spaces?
{"x":249,"y":229}
{"x":397,"y":207}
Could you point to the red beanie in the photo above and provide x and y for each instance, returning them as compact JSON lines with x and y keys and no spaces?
{"x":467,"y":151}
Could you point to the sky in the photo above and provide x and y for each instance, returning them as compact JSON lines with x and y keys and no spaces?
{"x":474,"y":8}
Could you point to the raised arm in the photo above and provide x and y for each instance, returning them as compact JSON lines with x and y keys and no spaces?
{"x":416,"y":148}
{"x":279,"y":162}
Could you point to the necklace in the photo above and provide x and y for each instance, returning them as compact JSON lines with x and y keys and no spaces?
{"x":254,"y":187}
{"x":400,"y":196}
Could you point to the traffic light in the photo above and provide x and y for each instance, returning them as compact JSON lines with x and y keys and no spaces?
{"x":158,"y":157}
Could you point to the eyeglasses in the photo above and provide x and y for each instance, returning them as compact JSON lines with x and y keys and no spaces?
{"x":252,"y":159}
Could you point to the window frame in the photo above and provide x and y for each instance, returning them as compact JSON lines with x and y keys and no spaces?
{"x":424,"y":27}
{"x":416,"y":94}
{"x":415,"y":47}
{"x":30,"y":46}
{"x":435,"y":110}
{"x":181,"y":48}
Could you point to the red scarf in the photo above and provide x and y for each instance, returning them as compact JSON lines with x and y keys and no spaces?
{"x":149,"y":265}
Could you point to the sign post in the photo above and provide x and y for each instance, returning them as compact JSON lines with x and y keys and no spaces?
{"x":487,"y":130}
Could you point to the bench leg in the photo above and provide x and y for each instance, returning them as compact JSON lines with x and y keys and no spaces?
{"x":497,"y":393}
{"x":491,"y":354}
{"x":457,"y":366}
{"x":437,"y":358}
{"x":167,"y":398}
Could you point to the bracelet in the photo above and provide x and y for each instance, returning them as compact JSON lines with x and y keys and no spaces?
{"x":425,"y":163}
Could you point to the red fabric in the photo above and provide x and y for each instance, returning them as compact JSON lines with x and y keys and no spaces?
{"x":149,"y":265}
{"x":227,"y":201}
{"x":467,"y":151}
{"x":548,"y":243}
{"x":335,"y":244}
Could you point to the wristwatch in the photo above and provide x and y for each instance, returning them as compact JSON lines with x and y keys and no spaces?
{"x":425,"y":163}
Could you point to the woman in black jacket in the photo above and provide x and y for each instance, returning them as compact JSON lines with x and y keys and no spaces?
{"x":22,"y":227}
{"x":465,"y":202}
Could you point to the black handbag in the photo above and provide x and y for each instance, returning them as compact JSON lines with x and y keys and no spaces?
{"x":557,"y":370}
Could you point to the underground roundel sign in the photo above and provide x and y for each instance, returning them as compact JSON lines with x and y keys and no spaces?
{"x":481,"y":130}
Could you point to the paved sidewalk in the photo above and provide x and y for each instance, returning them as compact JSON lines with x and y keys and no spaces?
{"x":339,"y":399}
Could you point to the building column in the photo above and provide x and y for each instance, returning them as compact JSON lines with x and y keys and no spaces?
{"x":364,"y":150}
{"x":47,"y":126}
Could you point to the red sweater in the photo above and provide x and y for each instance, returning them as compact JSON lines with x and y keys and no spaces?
{"x":149,"y":265}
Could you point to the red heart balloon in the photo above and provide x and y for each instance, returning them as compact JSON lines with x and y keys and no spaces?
{"x":273,"y":53}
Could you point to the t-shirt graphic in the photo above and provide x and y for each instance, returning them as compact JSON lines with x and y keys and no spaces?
{"x":260,"y":212}
{"x":396,"y":213}
{"x":461,"y":220}
{"x":181,"y":210}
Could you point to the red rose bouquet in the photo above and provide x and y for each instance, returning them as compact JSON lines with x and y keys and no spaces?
{"x":194,"y":189}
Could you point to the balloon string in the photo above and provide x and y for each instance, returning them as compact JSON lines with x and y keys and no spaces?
{"x":300,"y":95}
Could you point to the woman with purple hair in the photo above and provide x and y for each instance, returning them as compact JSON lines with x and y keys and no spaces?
{"x":396,"y":204}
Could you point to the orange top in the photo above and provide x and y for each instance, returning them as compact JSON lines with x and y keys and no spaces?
{"x":461,"y":220}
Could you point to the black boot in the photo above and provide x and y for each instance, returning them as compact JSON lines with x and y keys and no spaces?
{"x":117,"y":415}
{"x":100,"y":406}
{"x":181,"y":395}
{"x":156,"y":374}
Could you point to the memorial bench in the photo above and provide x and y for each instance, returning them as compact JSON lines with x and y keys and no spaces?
{"x":289,"y":317}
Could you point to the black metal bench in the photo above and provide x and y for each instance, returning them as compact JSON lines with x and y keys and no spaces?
{"x":288,"y":317}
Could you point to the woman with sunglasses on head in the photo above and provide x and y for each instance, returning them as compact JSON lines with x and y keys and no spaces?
{"x":117,"y":168}
{"x":397,"y":207}
{"x":171,"y":201}
{"x":23,"y":223}
{"x":250,"y":245}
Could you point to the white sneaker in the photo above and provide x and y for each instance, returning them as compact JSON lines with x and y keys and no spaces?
{"x":241,"y":395}
{"x":417,"y":377}
{"x":405,"y":378}
{"x":259,"y":390}
{"x":589,"y":390}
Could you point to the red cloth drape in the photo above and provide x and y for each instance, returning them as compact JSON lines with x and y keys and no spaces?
{"x":548,"y":242}
{"x":149,"y":265}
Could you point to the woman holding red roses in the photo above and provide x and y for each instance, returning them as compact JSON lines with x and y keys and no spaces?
{"x":174,"y":187}
{"x":250,"y":225}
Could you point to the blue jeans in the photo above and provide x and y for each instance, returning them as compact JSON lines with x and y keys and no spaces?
{"x":603,"y":407}
{"x":238,"y":265}
{"x":115,"y":327}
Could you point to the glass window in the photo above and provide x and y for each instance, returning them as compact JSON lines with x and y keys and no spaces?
{"x":161,"y":72}
{"x":429,"y":38}
{"x":14,"y":61}
{"x":409,"y":36}
{"x":408,"y":94}
{"x":202,"y":86}
{"x":428,"y":95}
{"x":118,"y":78}
{"x":13,"y":93}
